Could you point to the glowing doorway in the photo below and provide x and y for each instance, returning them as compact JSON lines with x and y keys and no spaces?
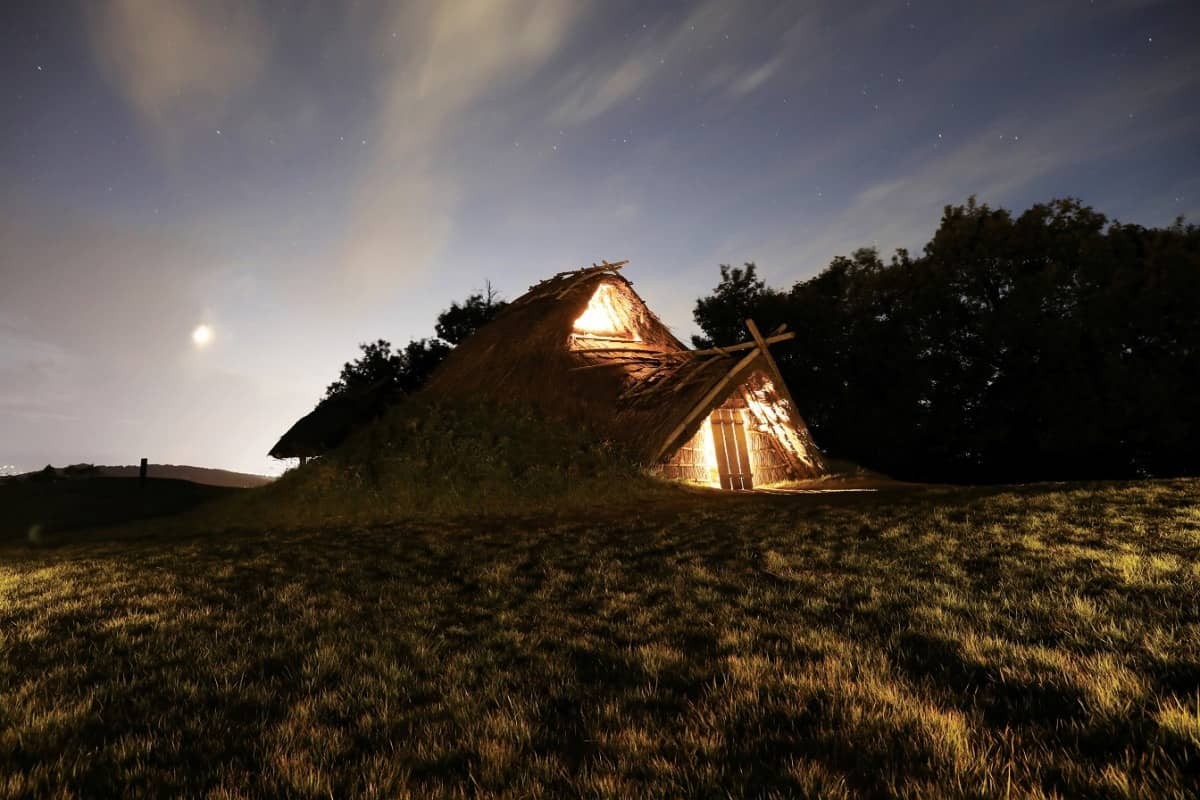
{"x":730,"y":451}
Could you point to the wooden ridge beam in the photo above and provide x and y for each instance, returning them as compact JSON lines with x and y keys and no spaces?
{"x":587,"y":272}
{"x":777,"y":336}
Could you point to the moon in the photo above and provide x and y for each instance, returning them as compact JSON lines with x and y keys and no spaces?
{"x":201,"y":335}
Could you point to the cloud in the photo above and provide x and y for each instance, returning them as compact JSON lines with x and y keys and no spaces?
{"x":34,"y":374}
{"x":750,"y":81}
{"x":1000,"y":163}
{"x":600,"y":86}
{"x":178,"y":62}
{"x":591,"y":98}
{"x":697,"y":48}
{"x":450,"y":58}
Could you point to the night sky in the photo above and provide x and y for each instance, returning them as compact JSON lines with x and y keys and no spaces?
{"x":303,"y":176}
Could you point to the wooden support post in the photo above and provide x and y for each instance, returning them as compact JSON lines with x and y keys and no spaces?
{"x":142,"y":468}
{"x":777,"y":377}
{"x":303,"y":460}
{"x":704,"y":401}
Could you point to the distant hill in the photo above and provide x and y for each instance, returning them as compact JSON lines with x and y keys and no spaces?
{"x":202,"y":475}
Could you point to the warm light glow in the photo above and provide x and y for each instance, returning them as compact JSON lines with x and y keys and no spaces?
{"x":709,"y":448}
{"x":602,"y":317}
{"x":770,"y":412}
{"x":772,"y":443}
{"x":201,"y":335}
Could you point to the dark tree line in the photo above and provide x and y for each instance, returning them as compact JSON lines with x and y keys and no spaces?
{"x":404,"y":370}
{"x":1054,"y":344}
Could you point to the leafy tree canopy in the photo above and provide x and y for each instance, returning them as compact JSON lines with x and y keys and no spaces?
{"x":405,"y":369}
{"x":1053,"y":344}
{"x":459,"y":321}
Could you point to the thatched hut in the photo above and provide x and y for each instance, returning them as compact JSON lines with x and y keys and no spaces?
{"x":584,"y":347}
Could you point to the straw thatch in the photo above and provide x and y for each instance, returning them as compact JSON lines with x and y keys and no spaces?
{"x":328,"y":425}
{"x":645,"y":389}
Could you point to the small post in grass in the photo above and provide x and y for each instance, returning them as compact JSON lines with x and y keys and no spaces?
{"x":142,"y":473}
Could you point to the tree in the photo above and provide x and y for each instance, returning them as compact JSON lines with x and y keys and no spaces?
{"x":458,"y":322}
{"x":405,"y":370}
{"x":377,"y":364}
{"x":722,"y":315}
{"x":1053,"y":344}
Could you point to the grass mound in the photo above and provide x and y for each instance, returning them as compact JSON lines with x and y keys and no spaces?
{"x":435,"y":459}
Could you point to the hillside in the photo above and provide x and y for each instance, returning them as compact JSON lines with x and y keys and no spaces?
{"x":45,"y":511}
{"x":206,"y":476}
{"x":1041,"y":641}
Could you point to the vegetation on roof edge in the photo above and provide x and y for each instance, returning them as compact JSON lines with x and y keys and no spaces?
{"x":436,"y":458}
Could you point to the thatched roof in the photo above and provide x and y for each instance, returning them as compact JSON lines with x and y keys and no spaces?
{"x":651,"y":394}
{"x":327,"y":425}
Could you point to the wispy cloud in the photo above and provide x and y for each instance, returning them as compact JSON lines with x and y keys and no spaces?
{"x":449,"y":57}
{"x":756,"y":77}
{"x":34,"y":374}
{"x":179,"y":62}
{"x":685,"y":45}
{"x":1000,"y":163}
{"x":593,"y":96}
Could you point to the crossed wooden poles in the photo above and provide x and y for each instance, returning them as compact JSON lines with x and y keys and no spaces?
{"x":757,"y":346}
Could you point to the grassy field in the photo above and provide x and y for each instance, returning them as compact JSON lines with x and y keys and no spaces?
{"x":1038,"y":641}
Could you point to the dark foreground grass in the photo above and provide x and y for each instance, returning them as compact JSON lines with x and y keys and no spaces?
{"x":40,"y":511}
{"x":1031,"y":642}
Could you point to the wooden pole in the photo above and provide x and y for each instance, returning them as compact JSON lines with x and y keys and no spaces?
{"x":588,"y":272}
{"x":142,"y":468}
{"x":700,"y":407}
{"x":772,"y":339}
{"x":650,"y":355}
{"x":777,"y":376}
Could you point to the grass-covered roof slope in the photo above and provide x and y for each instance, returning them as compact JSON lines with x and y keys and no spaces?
{"x":426,"y":458}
